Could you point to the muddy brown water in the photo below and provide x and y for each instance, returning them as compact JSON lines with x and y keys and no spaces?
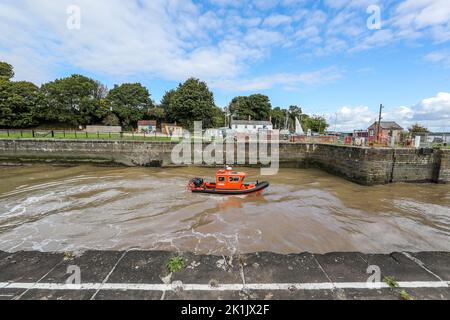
{"x":50,"y":208}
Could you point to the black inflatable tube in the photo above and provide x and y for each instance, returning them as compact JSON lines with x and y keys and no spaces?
{"x":260,"y":186}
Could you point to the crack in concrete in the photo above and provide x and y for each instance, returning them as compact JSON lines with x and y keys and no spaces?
{"x":39,"y":280}
{"x":421,"y":264}
{"x":109,"y":274}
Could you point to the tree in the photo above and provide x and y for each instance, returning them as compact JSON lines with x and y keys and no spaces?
{"x":18,"y":102}
{"x":255,"y":107}
{"x":316,"y":123}
{"x":157,"y":113}
{"x":130,"y":102}
{"x":417,"y":128}
{"x":218,"y":118}
{"x":192,"y":101}
{"x":111,"y":120}
{"x":6,"y":71}
{"x":74,"y":100}
{"x":295,"y":112}
{"x":278,"y":118}
{"x":165,"y":101}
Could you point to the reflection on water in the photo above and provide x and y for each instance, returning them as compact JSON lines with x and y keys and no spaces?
{"x":63,"y":209}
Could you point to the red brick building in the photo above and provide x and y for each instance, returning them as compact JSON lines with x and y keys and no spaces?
{"x":388,"y":129}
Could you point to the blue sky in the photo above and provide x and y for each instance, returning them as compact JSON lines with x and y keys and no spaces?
{"x":326,"y":56}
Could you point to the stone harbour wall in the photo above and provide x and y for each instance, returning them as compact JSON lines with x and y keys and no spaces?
{"x":359,"y":164}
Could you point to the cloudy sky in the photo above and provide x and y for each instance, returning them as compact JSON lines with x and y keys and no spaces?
{"x":331,"y":56}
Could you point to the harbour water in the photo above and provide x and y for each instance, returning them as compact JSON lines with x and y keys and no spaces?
{"x":49,"y":208}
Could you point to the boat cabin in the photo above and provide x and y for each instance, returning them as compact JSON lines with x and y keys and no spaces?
{"x":228,"y":179}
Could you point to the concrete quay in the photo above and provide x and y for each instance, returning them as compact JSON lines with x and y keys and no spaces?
{"x":143,"y":275}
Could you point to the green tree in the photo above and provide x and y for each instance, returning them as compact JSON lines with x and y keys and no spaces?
{"x":192,"y":101}
{"x":255,"y":107}
{"x":130,"y":102}
{"x":218,"y":118}
{"x":74,"y":100}
{"x":157,"y":113}
{"x":316,"y":123}
{"x":18,"y":102}
{"x":296,"y":112}
{"x":165,"y":101}
{"x":417,"y":128}
{"x":278,"y":118}
{"x":111,"y":120}
{"x":6,"y":71}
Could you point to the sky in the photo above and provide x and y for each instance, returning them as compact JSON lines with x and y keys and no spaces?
{"x":336,"y":58}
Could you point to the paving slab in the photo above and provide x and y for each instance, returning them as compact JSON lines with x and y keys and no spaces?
{"x":94,"y":267}
{"x":287,"y":295}
{"x":201,"y":269}
{"x":277,"y":268}
{"x":344,"y":266}
{"x":429,"y":293}
{"x":10,"y":294}
{"x":201,"y":295}
{"x":398,"y":266}
{"x":27,"y":266}
{"x":128,"y":295}
{"x":57,"y":295}
{"x":437,"y":262}
{"x":366,"y":294}
{"x":141,"y":267}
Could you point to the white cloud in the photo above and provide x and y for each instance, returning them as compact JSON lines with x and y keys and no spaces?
{"x":421,"y":17}
{"x":277,"y":20}
{"x":170,"y":39}
{"x":349,"y":118}
{"x":442,"y":56}
{"x":378,"y":39}
{"x":433,"y":113}
{"x":287,"y":80}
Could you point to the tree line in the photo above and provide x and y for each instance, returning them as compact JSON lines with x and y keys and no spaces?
{"x":79,"y":101}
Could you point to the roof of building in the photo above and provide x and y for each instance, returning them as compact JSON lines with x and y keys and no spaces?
{"x":251,"y":123}
{"x":146,"y":122}
{"x":389,"y":125}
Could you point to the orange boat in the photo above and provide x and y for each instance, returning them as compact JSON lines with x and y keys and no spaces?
{"x":227,"y":182}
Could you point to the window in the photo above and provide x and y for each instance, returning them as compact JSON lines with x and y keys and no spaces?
{"x":371,"y":133}
{"x":233,"y":179}
{"x":221,"y":179}
{"x":254,"y":127}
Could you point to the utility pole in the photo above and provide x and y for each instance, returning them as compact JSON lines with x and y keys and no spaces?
{"x":379,"y":123}
{"x":335,"y":123}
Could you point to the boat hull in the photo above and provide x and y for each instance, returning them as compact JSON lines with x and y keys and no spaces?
{"x":259,"y":187}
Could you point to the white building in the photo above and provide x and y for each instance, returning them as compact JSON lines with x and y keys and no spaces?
{"x":243,"y":126}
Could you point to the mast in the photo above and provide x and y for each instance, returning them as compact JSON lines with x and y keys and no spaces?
{"x":379,"y":123}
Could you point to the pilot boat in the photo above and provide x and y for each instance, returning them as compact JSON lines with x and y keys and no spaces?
{"x":228,"y":182}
